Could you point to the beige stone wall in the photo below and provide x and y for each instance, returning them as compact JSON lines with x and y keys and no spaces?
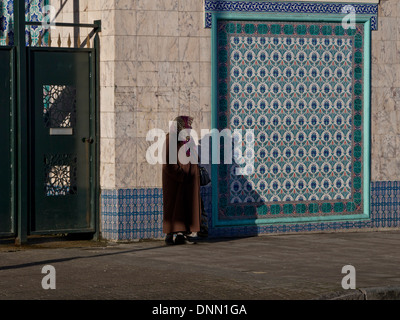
{"x":153,"y":75}
{"x":162,"y":70}
{"x":156,"y":64}
{"x":385,"y":94}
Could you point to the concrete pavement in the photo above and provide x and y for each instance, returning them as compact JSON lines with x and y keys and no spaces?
{"x":284,"y":267}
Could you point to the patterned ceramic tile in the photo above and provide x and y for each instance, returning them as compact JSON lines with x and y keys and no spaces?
{"x":131,"y":214}
{"x":33,"y":12}
{"x":299,"y":87}
{"x":121,"y":219}
{"x":286,"y":8}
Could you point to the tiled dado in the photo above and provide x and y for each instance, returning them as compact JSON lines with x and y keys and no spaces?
{"x":128,"y":214}
{"x":131,"y":214}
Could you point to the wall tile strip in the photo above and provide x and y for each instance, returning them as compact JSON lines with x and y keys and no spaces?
{"x":132,"y":214}
{"x":285,"y":7}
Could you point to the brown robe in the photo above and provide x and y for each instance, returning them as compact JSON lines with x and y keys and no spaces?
{"x":181,"y":195}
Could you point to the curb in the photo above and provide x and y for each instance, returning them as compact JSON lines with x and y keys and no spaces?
{"x":375,"y":293}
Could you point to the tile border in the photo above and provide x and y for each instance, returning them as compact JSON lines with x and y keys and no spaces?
{"x":286,"y":8}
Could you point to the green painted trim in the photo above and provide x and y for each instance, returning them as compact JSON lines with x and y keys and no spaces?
{"x":92,"y":133}
{"x":61,"y":231}
{"x":283,"y":221}
{"x":214,"y":117}
{"x":12,"y":137}
{"x":61,"y":49}
{"x":322,"y":1}
{"x":66,"y":24}
{"x":214,"y":114}
{"x":13,"y":142}
{"x":295,"y":17}
{"x":367,"y":116}
{"x":22,"y":123}
{"x":96,"y":163}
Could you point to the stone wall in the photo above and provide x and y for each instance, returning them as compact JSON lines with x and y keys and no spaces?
{"x":385,"y":94}
{"x":162,"y":69}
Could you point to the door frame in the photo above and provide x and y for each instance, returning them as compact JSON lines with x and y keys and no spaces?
{"x":260,"y":222}
{"x":22,"y":198}
{"x":12,"y":137}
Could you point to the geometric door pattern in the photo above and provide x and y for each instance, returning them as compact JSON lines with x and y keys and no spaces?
{"x":299,"y":87}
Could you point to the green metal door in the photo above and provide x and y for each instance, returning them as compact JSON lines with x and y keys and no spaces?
{"x":6,"y":112}
{"x":61,"y":144}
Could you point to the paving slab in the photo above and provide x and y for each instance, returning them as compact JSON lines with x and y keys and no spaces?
{"x":270,"y":267}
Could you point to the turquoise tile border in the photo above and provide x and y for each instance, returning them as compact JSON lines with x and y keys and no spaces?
{"x":286,"y":8}
{"x":366,"y":135}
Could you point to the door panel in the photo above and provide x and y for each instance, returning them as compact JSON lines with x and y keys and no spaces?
{"x":61,"y":141}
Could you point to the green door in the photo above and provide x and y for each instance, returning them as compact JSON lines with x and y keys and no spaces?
{"x":6,"y":214}
{"x":61,"y":142}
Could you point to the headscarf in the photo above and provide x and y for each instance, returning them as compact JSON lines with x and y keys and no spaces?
{"x":184,"y":122}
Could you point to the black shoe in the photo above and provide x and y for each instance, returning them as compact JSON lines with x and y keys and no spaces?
{"x":181,"y":239}
{"x":169,"y":239}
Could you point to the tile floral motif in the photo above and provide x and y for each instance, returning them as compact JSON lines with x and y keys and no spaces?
{"x":296,"y":7}
{"x":299,"y":86}
{"x":33,"y":12}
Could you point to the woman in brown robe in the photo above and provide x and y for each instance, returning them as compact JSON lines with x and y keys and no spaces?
{"x":181,"y":192}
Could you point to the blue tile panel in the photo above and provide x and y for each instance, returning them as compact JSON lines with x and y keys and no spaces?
{"x":33,"y":13}
{"x":129,"y":214}
{"x":286,"y":8}
{"x":132,"y":214}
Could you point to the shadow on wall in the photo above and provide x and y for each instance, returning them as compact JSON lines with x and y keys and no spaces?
{"x":250,"y":228}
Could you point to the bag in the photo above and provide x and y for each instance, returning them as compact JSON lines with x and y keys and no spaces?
{"x":204,"y":176}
